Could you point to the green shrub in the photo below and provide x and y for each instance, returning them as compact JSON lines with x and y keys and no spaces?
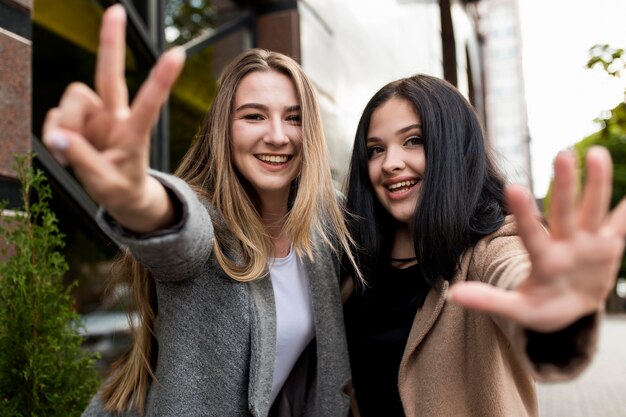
{"x":44,"y":371}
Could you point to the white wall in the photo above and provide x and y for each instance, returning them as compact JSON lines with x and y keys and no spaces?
{"x":351,"y":48}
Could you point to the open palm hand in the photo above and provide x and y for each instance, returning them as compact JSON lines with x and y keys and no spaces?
{"x":574,"y":267}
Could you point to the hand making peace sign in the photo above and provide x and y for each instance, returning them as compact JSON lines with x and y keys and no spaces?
{"x":573,"y":268}
{"x":106,"y":140}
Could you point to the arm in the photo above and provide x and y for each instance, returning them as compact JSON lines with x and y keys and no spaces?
{"x":501,"y":261}
{"x":570,"y":272}
{"x":175,"y":252}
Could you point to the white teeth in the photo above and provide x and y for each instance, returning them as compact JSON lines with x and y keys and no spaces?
{"x":280,"y":159}
{"x":401,"y":184}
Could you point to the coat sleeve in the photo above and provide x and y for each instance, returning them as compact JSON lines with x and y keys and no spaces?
{"x":174,"y":253}
{"x":501,"y":260}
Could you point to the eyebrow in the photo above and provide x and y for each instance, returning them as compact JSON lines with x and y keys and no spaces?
{"x":399,"y":132}
{"x":258,"y":106}
{"x":410,"y":127}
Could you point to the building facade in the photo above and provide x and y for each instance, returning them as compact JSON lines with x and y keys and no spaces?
{"x":349,"y":48}
{"x":507,"y":122}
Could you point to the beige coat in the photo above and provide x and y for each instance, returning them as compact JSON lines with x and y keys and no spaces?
{"x":459,"y":362}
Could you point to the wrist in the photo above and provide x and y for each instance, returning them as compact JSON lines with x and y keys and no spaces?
{"x":149,"y":211}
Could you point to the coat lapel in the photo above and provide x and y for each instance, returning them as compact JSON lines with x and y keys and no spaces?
{"x":262,"y":345}
{"x":423,"y":322}
{"x":331,"y":346}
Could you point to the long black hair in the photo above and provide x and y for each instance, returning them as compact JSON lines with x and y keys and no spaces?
{"x":462,"y":194}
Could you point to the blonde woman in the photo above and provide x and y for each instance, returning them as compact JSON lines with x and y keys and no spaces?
{"x":234,"y":265}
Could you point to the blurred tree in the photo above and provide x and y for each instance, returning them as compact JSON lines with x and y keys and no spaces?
{"x":612,"y":60}
{"x":612,"y":135}
{"x":185,"y":19}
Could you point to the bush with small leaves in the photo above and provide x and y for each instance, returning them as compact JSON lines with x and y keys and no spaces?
{"x":44,"y":371}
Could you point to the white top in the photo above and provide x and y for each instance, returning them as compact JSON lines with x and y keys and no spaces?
{"x":294,"y":315}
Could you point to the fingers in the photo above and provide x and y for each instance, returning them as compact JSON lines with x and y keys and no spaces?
{"x":110,"y":66}
{"x":63,"y":127}
{"x":563,"y":202}
{"x":529,"y":228}
{"x":77,"y":105}
{"x":71,"y":148}
{"x":153,"y":93}
{"x":597,"y":194}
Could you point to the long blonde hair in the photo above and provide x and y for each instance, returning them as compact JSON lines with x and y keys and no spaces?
{"x":207,"y":168}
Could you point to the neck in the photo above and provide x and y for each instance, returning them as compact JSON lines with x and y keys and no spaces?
{"x":273,"y":218}
{"x":273,"y":215}
{"x":403,"y":251}
{"x":403,"y":243}
{"x":273,"y":207}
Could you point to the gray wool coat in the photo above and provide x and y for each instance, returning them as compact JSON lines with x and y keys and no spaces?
{"x":217,"y":337}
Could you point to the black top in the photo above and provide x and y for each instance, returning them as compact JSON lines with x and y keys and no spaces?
{"x":378,"y":322}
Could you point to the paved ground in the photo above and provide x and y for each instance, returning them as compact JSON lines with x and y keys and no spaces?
{"x":601,"y":390}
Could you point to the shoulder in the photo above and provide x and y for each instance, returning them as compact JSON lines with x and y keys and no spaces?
{"x":499,"y":258}
{"x":505,"y":238}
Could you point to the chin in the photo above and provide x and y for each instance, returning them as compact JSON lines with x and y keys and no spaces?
{"x":404,"y":214}
{"x":403,"y":219}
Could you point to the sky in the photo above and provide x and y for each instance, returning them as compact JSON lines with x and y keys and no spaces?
{"x":562,"y":96}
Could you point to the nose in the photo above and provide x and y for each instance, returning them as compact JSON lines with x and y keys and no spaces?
{"x":276,"y":134}
{"x":393,"y":160}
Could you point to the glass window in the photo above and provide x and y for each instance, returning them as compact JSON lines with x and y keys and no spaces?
{"x":65,"y":41}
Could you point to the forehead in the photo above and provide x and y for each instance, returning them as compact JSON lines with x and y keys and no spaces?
{"x":265,"y":87}
{"x":391,"y":116}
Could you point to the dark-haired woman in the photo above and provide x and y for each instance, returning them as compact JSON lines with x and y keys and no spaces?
{"x":430,"y":212}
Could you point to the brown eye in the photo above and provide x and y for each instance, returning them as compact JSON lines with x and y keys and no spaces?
{"x":253,"y":116}
{"x":296,"y":119}
{"x":413,"y":141}
{"x":373,"y":150}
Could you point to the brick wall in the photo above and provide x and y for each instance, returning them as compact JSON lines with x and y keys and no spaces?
{"x":15,"y":90}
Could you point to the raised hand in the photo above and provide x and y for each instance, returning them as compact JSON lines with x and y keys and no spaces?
{"x":105,"y":140}
{"x":575,"y":266}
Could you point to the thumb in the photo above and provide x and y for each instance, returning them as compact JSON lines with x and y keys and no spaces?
{"x":485,"y":297}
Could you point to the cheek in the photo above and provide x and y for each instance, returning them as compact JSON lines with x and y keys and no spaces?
{"x":374,"y":171}
{"x":295,"y":135}
{"x":422,"y":159}
{"x":237,"y":149}
{"x":236,"y":137}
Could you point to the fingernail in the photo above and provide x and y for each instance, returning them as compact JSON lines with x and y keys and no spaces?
{"x":56,"y":141}
{"x":179,"y":52}
{"x":118,"y":9}
{"x":598,"y":150}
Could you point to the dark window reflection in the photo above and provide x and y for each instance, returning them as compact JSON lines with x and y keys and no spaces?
{"x":65,"y":40}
